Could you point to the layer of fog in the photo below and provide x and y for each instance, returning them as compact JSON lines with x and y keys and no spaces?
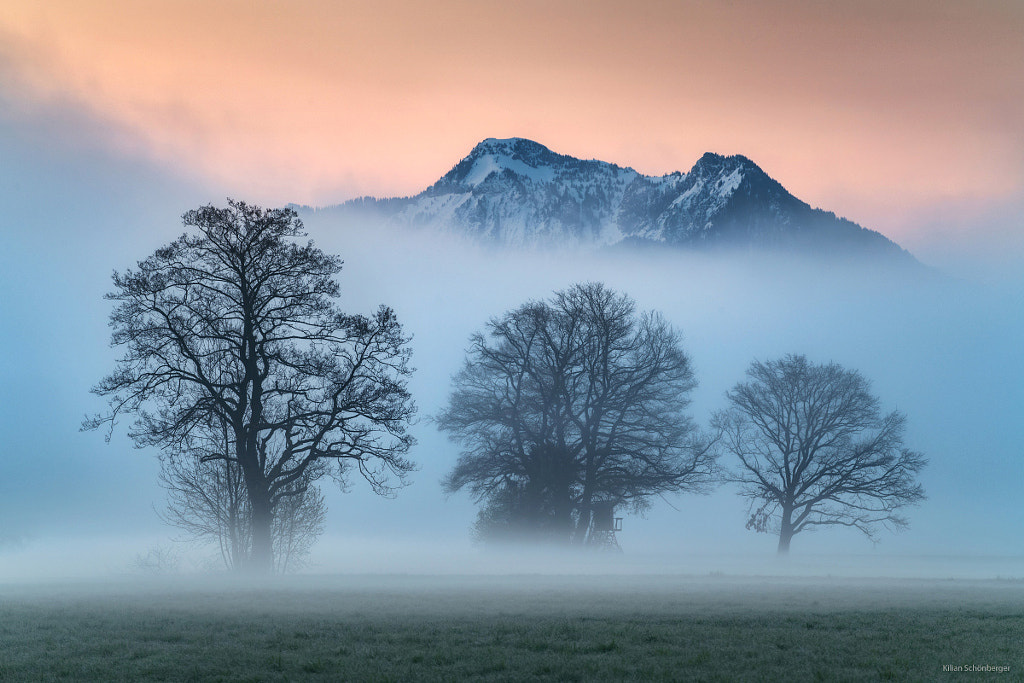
{"x":944,"y":351}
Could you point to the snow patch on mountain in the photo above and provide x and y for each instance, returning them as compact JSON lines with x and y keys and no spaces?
{"x":486,"y":165}
{"x":727,"y":185}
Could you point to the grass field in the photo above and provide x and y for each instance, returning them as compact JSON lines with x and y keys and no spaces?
{"x":561,"y":628}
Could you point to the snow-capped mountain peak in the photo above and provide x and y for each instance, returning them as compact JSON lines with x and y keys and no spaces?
{"x":518,"y":192}
{"x":525,"y":158}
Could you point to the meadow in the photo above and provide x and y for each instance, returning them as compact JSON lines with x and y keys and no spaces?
{"x":511,"y":628}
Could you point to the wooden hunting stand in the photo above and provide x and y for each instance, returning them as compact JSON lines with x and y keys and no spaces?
{"x":605,"y":524}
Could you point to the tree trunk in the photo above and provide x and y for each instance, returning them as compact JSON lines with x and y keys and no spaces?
{"x":257,"y":490}
{"x":785,"y":531}
{"x":261,"y":556}
{"x":563,"y":514}
{"x":262,"y":559}
{"x":582,"y":528}
{"x":784,"y":540}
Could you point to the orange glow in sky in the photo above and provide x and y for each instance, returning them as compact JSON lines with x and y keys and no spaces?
{"x":870,"y":109}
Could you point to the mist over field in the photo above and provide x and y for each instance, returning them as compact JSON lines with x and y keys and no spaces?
{"x":939,"y":349}
{"x":942,"y":349}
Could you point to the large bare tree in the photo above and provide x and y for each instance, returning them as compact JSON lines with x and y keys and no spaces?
{"x":815,"y":450}
{"x":570,"y":403}
{"x":236,"y":324}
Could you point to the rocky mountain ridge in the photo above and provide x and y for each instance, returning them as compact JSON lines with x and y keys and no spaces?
{"x":516,"y":192}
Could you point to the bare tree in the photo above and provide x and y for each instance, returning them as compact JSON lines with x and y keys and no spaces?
{"x":236,"y":325}
{"x":207,"y":500}
{"x":814,"y":450}
{"x":569,"y":403}
{"x":158,"y":561}
{"x":298,"y":522}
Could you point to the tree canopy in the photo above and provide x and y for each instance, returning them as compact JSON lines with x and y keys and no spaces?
{"x":568,"y":403}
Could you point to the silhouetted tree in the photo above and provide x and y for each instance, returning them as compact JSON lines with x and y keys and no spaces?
{"x":814,"y":450}
{"x":236,"y":325}
{"x":570,"y":402}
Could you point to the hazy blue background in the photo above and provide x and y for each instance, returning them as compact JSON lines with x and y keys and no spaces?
{"x":947,"y":353}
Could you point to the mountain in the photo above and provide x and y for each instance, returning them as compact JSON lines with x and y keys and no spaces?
{"x":517,"y":192}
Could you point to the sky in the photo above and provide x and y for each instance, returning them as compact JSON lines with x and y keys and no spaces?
{"x":889,"y":113}
{"x":116,"y":117}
